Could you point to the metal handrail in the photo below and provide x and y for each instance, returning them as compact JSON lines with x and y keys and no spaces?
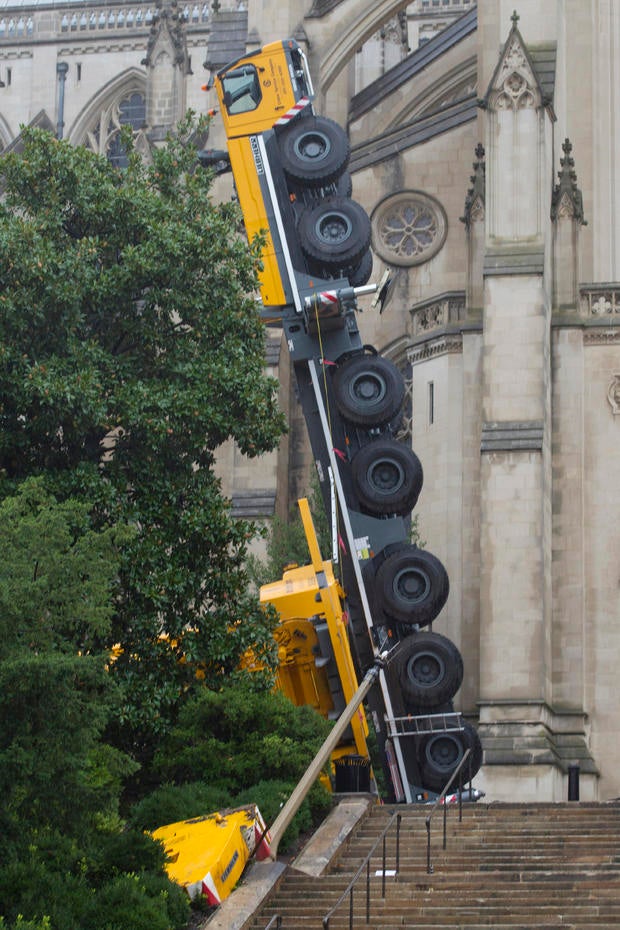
{"x":429,"y":867}
{"x":366,"y":863}
{"x":275,"y":922}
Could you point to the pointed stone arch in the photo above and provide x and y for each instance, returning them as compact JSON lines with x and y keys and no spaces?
{"x":457,"y":83}
{"x":518,"y":146}
{"x":345,"y":30}
{"x":102,"y":106}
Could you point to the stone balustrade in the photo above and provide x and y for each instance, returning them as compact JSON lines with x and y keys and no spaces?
{"x":599,"y":300}
{"x":21,"y":23}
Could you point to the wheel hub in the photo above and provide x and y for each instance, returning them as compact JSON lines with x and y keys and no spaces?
{"x":412,"y":585}
{"x":426,"y":669}
{"x":386,"y":476}
{"x":334,"y":228}
{"x":312,"y":146}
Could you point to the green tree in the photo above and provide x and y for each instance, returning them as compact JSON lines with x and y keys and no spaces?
{"x":130,"y":349}
{"x":64,"y":850}
{"x":57,"y":577}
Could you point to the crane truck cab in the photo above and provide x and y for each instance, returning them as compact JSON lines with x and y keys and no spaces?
{"x":289,"y":167}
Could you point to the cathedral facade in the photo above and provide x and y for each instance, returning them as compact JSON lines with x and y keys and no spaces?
{"x":484,"y":140}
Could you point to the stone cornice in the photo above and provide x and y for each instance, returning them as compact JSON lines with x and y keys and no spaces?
{"x":602,"y":336}
{"x":512,"y":436}
{"x":511,"y":259}
{"x":445,"y":344}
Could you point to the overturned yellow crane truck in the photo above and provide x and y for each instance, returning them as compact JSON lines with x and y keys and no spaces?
{"x":290,"y":173}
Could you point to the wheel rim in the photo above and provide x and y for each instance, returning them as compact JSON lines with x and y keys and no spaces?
{"x":312,"y":146}
{"x":411,"y":585}
{"x":444,"y":752}
{"x":425,"y":669}
{"x":385,"y":476}
{"x":333,"y":228}
{"x":368,"y":388}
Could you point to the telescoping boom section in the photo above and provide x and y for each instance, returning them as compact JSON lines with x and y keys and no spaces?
{"x":290,"y":172}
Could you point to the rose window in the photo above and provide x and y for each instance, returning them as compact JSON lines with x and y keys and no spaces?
{"x":408,"y":228}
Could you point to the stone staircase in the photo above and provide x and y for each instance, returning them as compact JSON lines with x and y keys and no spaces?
{"x":506,"y":867}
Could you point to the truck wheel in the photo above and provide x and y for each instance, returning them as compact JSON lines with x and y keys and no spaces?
{"x":344,"y":185}
{"x":441,"y":753}
{"x":314,"y":150}
{"x":362,"y":273}
{"x":387,"y":477}
{"x":368,"y":390}
{"x":335,"y":233}
{"x":429,"y":668}
{"x":412,"y":586}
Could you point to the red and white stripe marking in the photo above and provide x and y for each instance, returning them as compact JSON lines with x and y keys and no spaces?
{"x":323,"y":298}
{"x":292,"y":113}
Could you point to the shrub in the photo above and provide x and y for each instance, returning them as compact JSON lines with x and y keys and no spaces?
{"x":128,"y":902}
{"x":271,"y":796}
{"x":235,"y":737}
{"x":127,"y":851}
{"x":172,"y":803}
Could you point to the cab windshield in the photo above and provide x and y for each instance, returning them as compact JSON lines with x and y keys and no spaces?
{"x":241,"y":89}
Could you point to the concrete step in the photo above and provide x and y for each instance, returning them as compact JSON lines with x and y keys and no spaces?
{"x":506,"y":867}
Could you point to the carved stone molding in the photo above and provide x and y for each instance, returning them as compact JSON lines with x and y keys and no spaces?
{"x":438,"y":313}
{"x":443,"y":345}
{"x":474,"y":211}
{"x":566,"y":200}
{"x":602,"y":337}
{"x":515,"y":85}
{"x":613,"y":395}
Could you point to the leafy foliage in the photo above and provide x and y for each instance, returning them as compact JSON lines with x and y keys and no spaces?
{"x":56,"y":582}
{"x":63,"y":842}
{"x":227,"y":739}
{"x":130,"y":349}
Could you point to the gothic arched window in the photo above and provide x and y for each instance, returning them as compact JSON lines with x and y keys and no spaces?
{"x":105,"y":138}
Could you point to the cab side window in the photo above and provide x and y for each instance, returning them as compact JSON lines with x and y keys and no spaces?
{"x":241,"y":89}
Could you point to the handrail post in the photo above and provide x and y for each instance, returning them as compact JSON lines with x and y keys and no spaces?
{"x":442,"y":797}
{"x":429,"y":867}
{"x":445,"y":824}
{"x":366,"y":864}
{"x":383,"y":870}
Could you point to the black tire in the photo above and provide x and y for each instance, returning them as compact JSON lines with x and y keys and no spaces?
{"x":387,"y":477}
{"x":440,"y":754}
{"x":368,"y":390}
{"x":474,"y":760}
{"x":429,"y":668}
{"x":314,"y":151}
{"x":362,"y":273}
{"x":412,"y":586}
{"x":344,"y":185}
{"x":334,"y":234}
